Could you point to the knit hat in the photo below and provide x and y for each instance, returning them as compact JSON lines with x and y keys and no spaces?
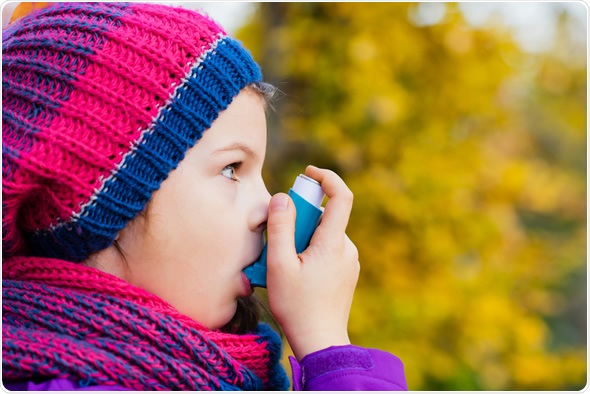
{"x":100,"y":102}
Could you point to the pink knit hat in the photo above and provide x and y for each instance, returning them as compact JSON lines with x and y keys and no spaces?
{"x":100,"y":102}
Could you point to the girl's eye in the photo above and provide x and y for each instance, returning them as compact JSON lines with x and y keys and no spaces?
{"x":229,"y":171}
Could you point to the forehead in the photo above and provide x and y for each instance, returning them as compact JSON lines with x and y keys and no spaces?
{"x":242,"y":123}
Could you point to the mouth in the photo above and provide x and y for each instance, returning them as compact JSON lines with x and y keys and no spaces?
{"x":247,"y":286}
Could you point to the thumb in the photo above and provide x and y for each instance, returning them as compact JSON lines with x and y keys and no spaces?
{"x":280,"y":230}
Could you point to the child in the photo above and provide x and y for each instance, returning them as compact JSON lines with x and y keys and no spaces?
{"x":133,"y":142}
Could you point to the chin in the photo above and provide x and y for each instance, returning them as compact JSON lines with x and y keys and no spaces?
{"x":221,"y":319}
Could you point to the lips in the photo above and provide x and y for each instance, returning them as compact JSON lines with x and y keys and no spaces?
{"x":247,"y":287}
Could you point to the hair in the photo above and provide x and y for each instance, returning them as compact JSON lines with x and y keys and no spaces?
{"x":267,"y":91}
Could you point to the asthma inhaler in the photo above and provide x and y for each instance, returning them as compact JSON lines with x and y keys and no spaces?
{"x":307,"y":194}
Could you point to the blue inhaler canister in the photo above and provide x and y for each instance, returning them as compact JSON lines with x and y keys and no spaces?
{"x":307,"y":194}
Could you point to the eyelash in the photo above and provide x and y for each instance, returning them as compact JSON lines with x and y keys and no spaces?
{"x":234,"y":167}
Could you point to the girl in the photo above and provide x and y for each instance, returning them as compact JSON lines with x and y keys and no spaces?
{"x":133,"y":142}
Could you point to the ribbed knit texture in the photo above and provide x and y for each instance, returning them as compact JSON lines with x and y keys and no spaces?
{"x":100,"y":102}
{"x":61,"y":320}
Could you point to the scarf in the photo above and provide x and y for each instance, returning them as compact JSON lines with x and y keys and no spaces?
{"x":63,"y":320}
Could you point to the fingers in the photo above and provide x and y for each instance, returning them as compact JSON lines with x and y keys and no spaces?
{"x":340,"y":198}
{"x":280,"y":229}
{"x":310,"y":294}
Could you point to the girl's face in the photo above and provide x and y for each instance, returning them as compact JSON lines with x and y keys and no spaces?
{"x":204,"y":224}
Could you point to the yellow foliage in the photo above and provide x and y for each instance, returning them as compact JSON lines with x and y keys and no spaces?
{"x":26,"y":8}
{"x":467,"y":159}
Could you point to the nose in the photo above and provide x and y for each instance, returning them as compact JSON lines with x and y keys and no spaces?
{"x":260,"y":210}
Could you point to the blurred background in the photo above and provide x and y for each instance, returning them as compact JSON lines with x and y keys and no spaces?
{"x":461,"y":129}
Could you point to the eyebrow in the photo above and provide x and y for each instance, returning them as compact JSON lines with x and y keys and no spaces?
{"x":238,"y":146}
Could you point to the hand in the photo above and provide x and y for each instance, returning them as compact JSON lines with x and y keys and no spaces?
{"x":310,"y":294}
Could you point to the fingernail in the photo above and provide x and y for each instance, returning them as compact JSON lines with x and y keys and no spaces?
{"x":280,"y":202}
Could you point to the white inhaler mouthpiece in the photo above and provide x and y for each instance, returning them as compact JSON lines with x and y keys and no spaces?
{"x":309,"y":189}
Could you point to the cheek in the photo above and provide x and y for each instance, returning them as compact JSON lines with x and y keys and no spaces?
{"x":200,"y":228}
{"x":189,"y":212}
{"x":197,"y":270}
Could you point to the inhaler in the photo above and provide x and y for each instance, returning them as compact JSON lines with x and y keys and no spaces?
{"x":307,"y":194}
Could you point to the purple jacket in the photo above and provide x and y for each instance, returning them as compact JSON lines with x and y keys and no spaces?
{"x":348,"y":368}
{"x":335,"y":368}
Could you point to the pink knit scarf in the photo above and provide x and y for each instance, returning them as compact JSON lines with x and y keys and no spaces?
{"x":63,"y":320}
